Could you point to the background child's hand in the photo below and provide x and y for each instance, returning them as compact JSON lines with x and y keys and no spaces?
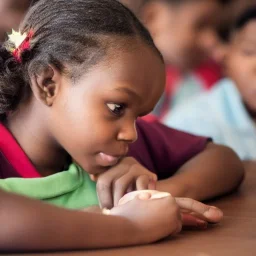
{"x":154,"y":219}
{"x":126,"y":176}
{"x":197,"y":214}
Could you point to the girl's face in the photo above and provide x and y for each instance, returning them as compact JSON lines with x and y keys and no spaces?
{"x":94,"y":119}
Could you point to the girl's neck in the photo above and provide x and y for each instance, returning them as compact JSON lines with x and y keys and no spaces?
{"x":29,"y":127}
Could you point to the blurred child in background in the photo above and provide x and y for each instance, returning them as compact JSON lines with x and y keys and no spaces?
{"x":185,"y":32}
{"x":227,"y":113}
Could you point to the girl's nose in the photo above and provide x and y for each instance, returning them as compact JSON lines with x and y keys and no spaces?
{"x":128,"y":132}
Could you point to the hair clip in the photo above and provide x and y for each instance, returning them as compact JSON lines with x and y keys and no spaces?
{"x":21,"y":43}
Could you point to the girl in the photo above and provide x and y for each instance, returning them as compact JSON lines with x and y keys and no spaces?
{"x":71,"y":92}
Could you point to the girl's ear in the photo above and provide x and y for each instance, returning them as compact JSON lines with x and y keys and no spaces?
{"x":45,"y":86}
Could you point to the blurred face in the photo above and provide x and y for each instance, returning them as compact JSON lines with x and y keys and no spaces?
{"x":241,"y":63}
{"x":94,"y":119}
{"x":133,"y":5}
{"x":185,"y":33}
{"x":11,"y":13}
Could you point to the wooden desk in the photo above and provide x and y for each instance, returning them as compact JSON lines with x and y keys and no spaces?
{"x":236,"y":235}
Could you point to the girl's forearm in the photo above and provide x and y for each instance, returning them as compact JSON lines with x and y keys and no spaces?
{"x":29,"y":225}
{"x":215,"y":171}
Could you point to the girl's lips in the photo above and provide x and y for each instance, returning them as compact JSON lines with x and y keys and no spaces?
{"x":108,"y":160}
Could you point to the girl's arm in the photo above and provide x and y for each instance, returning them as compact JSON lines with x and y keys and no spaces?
{"x":30,"y":225}
{"x":215,"y":171}
{"x":186,"y":165}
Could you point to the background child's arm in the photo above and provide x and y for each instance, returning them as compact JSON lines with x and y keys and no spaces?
{"x":30,"y":225}
{"x":215,"y":171}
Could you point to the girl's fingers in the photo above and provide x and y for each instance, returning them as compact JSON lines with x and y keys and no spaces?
{"x":104,"y":192}
{"x":124,"y":177}
{"x":104,"y":187}
{"x":143,"y":195}
{"x":210,"y":213}
{"x":121,"y":185}
{"x":146,"y":181}
{"x":152,"y":183}
{"x":142,"y":182}
{"x":127,"y":181}
{"x":130,"y":188}
{"x":191,"y":221}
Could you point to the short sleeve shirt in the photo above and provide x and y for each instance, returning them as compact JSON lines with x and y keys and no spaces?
{"x":164,"y":150}
{"x":160,"y":149}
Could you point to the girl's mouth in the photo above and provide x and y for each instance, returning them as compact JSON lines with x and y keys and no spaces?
{"x":106,"y":160}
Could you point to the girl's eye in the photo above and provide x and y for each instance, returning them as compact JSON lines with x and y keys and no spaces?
{"x":117,"y":109}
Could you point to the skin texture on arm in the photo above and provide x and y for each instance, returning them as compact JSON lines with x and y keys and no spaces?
{"x":215,"y":171}
{"x":29,"y":225}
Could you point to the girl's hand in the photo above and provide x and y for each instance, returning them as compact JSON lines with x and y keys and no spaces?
{"x":128,"y":175}
{"x":197,"y":214}
{"x":153,"y":219}
{"x":194,"y":213}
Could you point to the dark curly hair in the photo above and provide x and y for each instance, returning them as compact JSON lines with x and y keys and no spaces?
{"x":71,"y":35}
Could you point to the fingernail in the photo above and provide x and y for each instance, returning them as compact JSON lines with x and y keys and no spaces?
{"x":216,"y":209}
{"x":213,"y":211}
{"x":210,"y":212}
{"x":144,"y":196}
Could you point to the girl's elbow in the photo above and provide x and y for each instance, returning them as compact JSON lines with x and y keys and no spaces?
{"x":233,"y":164}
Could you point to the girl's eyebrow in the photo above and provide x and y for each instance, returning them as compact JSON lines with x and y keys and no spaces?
{"x":128,"y":91}
{"x":131,"y":93}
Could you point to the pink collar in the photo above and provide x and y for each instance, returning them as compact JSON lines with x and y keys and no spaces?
{"x":15,"y":155}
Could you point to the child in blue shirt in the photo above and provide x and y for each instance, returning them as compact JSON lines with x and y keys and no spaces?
{"x":185,"y":32}
{"x":227,"y":113}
